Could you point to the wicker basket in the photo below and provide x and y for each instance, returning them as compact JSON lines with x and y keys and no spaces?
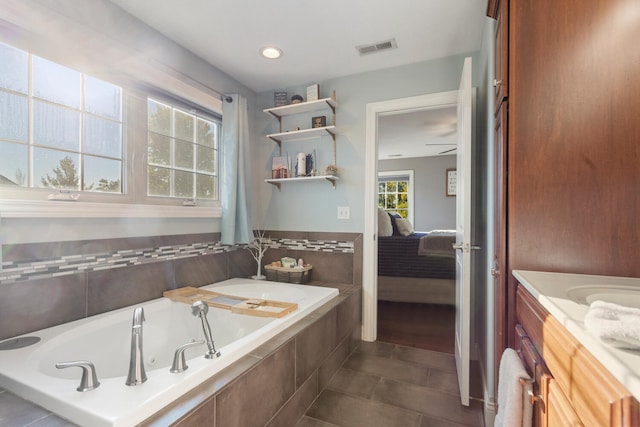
{"x":288,"y":275}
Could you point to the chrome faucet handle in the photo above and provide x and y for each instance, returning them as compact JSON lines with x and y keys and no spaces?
{"x":179,"y":364}
{"x":200,"y":309}
{"x":137,"y":374}
{"x":89,"y":380}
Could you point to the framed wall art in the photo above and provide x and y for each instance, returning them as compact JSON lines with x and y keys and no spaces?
{"x":451,"y":182}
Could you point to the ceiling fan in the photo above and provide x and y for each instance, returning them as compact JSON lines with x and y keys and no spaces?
{"x":446,"y":145}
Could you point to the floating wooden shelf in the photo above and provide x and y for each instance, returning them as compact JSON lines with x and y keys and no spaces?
{"x":302,"y":107}
{"x":302,"y":134}
{"x":280,"y":137}
{"x":278,"y":181}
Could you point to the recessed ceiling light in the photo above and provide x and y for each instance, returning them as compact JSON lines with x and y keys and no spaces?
{"x":271,"y":52}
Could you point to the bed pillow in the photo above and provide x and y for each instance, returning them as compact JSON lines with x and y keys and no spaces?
{"x":385,"y":229}
{"x":404,"y":226}
{"x":394,"y":216}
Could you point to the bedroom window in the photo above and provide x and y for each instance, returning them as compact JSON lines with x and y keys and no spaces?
{"x":182,"y":150}
{"x":59,"y":128}
{"x":395,"y":192}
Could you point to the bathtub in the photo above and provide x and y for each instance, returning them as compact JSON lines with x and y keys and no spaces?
{"x":105,"y":340}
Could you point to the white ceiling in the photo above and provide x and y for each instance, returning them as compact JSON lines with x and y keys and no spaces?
{"x":319,"y":39}
{"x":418,"y":134}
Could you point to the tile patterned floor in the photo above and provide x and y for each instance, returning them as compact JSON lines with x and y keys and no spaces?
{"x":387,"y":385}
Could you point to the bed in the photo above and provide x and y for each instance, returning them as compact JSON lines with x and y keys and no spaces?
{"x":417,"y":267}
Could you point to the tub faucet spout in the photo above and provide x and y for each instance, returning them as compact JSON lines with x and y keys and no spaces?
{"x":137,"y":375}
{"x":200,"y":309}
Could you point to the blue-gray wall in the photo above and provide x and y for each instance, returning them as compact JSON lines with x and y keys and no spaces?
{"x":99,"y":38}
{"x":306,"y":207}
{"x":433,"y":210}
{"x":313,"y":206}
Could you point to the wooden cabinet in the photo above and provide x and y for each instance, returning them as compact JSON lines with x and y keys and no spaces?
{"x":498,"y":270}
{"x":499,"y":10}
{"x":559,"y":409}
{"x":574,"y":388}
{"x":570,"y":96}
{"x":574,"y":100}
{"x":539,"y":373}
{"x":283,"y":136}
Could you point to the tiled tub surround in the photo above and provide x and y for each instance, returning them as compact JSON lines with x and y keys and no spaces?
{"x":105,"y":340}
{"x":272,"y":386}
{"x":34,"y":304}
{"x":46,"y":284}
{"x":13,"y":271}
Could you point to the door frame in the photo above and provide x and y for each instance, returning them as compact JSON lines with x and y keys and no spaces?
{"x":369,"y":238}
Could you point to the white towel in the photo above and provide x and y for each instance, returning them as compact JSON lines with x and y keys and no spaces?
{"x":514,"y":406}
{"x":614,"y":324}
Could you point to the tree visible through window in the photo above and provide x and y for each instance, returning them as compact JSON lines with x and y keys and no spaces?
{"x":59,"y":128}
{"x":393,"y":196}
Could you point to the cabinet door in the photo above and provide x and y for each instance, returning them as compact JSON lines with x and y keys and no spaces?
{"x":595,"y":394}
{"x":538,"y":370}
{"x":559,"y":409}
{"x":501,"y":83}
{"x":499,"y":268}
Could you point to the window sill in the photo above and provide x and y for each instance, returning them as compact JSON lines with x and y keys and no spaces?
{"x":53,"y":209}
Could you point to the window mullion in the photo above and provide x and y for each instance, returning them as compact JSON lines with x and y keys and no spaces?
{"x":30,"y":119}
{"x":172,"y":154}
{"x":81,"y":134}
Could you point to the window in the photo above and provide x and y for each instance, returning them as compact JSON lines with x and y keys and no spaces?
{"x":395,"y":192}
{"x":64,"y":130}
{"x":59,"y":128}
{"x":182,"y":151}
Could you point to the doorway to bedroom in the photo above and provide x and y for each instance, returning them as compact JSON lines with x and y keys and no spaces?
{"x":417,"y":211}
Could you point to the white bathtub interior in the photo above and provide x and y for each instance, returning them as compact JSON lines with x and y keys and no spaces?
{"x":105,"y":340}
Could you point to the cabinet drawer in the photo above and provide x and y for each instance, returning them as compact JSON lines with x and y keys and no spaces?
{"x":598,"y":397}
{"x":537,"y":369}
{"x":559,"y":410}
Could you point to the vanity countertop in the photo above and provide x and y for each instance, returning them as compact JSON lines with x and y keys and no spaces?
{"x":551,"y":290}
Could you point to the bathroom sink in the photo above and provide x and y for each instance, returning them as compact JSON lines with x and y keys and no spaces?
{"x":628,"y":296}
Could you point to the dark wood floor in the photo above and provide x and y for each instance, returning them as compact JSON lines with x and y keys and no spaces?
{"x":389,"y":385}
{"x":425,"y":326}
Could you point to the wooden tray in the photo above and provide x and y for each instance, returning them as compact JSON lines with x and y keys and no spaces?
{"x":240,"y":305}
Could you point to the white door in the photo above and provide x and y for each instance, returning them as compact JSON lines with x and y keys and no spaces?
{"x":463,"y":233}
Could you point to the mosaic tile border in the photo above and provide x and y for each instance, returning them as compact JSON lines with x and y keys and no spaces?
{"x":16,"y":271}
{"x":312,"y":245}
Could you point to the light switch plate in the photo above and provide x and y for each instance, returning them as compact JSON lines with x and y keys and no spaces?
{"x":344,"y":212}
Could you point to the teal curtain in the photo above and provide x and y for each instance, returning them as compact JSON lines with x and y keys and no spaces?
{"x":235,"y":179}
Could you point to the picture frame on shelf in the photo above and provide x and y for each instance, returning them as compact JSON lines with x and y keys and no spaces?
{"x":280,"y":99}
{"x":313,"y":92}
{"x":319,"y":121}
{"x":279,"y":167}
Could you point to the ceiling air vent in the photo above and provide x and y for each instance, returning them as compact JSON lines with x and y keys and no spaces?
{"x":366,"y":49}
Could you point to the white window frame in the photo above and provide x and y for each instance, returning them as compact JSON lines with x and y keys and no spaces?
{"x":410,"y":193}
{"x":199,"y":113}
{"x":133,"y":202}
